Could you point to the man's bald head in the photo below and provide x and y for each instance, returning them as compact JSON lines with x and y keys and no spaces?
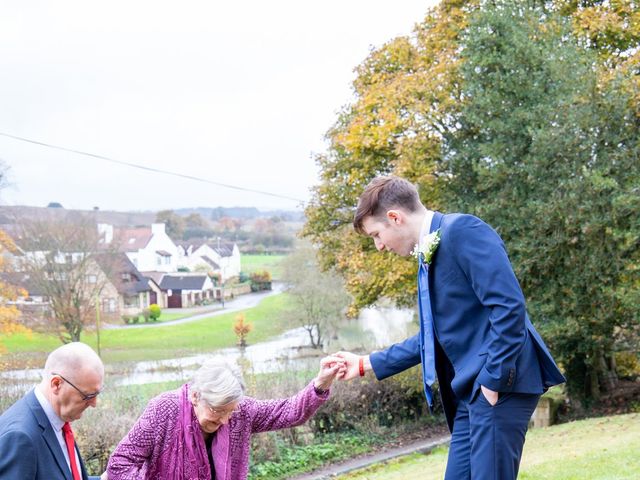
{"x":73,"y":359}
{"x":72,"y":380}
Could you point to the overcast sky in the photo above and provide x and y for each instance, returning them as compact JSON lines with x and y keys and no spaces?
{"x":238,"y":92}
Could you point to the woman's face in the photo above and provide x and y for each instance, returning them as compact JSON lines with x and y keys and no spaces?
{"x":211,"y":418}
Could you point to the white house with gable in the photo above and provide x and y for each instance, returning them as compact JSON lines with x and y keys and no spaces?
{"x":149,"y":249}
{"x":203,"y":256}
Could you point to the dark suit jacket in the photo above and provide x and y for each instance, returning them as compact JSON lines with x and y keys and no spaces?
{"x":483,"y":334}
{"x":29,"y":449}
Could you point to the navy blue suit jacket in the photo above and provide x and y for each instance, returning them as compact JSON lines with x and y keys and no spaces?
{"x":483,"y":334}
{"x":29,"y":449}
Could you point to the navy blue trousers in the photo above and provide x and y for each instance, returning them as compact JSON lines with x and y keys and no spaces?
{"x":487,"y":441}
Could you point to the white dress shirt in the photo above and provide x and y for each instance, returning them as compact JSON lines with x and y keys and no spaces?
{"x":56,"y":424}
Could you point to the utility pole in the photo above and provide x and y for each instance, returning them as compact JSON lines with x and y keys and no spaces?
{"x":98,"y":323}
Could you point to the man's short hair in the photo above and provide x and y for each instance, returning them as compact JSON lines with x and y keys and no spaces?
{"x":384,"y":194}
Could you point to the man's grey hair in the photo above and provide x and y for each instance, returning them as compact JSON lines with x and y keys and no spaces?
{"x":218,"y":382}
{"x":72,"y":360}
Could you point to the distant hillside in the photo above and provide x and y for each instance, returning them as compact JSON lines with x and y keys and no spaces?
{"x":246,"y":213}
{"x":10,"y":214}
{"x":15,"y":213}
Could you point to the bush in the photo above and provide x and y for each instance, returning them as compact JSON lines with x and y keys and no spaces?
{"x":155,"y":311}
{"x":628,"y":365}
{"x":368,"y":405}
{"x":146,"y":314}
{"x":260,"y":280}
{"x":130,"y":318}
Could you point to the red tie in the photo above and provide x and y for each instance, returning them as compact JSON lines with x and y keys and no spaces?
{"x":71,"y":449}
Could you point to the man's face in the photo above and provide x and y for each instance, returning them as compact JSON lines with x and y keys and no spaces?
{"x":390,"y":233}
{"x":68,"y":401}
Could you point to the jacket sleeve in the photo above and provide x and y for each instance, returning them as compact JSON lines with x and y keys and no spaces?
{"x":481,"y":254}
{"x":17,"y":456}
{"x":266,"y":415}
{"x":397,"y":358}
{"x":136,"y":448}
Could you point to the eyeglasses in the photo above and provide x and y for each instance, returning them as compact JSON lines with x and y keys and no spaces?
{"x":85,"y":396}
{"x":220,"y":413}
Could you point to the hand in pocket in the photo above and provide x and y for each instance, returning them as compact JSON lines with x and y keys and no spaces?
{"x":490,"y":395}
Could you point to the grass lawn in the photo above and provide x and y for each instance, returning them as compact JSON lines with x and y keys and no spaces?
{"x":271,"y":263}
{"x":603,"y":448}
{"x":155,"y":343}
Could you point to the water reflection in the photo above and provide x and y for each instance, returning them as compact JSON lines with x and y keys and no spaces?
{"x":374,"y":329}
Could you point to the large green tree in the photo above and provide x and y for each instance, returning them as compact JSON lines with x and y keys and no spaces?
{"x":525,"y":113}
{"x":549,"y":154}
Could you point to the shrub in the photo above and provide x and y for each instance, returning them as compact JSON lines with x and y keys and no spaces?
{"x":146,"y":314}
{"x":628,"y":365}
{"x":155,"y":310}
{"x":260,"y":280}
{"x":367,"y":405}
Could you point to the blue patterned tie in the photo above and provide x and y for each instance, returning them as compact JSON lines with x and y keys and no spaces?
{"x":426,"y":331}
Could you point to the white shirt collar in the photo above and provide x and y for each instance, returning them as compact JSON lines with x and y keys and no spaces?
{"x":54,"y":419}
{"x":426,"y":224}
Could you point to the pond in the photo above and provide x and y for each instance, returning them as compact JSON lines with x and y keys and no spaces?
{"x":375,"y":328}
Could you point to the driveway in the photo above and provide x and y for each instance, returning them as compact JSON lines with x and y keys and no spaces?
{"x":241,"y":302}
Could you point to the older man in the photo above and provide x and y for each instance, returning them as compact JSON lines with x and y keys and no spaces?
{"x":36,"y":439}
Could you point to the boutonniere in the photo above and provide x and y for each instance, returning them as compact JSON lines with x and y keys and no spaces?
{"x":427,"y":247}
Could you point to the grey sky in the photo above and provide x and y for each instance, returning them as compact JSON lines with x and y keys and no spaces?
{"x":236,"y":92}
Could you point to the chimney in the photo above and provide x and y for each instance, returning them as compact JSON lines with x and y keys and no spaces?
{"x":105,"y":231}
{"x":157,"y":228}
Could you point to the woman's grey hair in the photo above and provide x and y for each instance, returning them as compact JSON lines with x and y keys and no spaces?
{"x":218,"y":382}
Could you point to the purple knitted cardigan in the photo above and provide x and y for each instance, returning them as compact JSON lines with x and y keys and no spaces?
{"x":145,"y":453}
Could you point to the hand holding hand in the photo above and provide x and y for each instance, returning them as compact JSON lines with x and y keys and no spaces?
{"x":352,"y":364}
{"x":330,"y":368}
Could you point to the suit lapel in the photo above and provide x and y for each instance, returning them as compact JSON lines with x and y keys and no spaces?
{"x":48,"y":434}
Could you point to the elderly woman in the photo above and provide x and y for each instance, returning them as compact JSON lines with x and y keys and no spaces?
{"x":202,"y":431}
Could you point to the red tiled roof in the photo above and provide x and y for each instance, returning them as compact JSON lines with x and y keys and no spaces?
{"x":132,"y":239}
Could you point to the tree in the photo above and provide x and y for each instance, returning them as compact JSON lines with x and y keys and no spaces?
{"x":406,"y":94}
{"x":525,"y":113}
{"x":319,"y":298}
{"x":174,"y":223}
{"x":69,"y":264}
{"x":9,"y":314}
{"x":548,"y":153}
{"x":242,"y":329}
{"x":196,"y":227}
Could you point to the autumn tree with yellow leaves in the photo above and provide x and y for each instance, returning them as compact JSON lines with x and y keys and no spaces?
{"x":9,"y":314}
{"x":527,"y":114}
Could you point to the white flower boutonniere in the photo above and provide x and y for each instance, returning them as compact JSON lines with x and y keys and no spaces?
{"x":427,"y":247}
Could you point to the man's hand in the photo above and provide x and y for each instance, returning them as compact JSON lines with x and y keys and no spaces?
{"x":490,"y":395}
{"x":352,"y":364}
{"x":330,"y":368}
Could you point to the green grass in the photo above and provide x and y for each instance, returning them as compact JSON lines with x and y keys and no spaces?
{"x":271,"y":263}
{"x":156,"y":343}
{"x":595,"y":449}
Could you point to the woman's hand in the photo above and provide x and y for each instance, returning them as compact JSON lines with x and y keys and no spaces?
{"x":330,"y":368}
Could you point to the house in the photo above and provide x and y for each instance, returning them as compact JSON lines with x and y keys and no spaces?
{"x":201,"y":256}
{"x":187,"y":289}
{"x":127,"y":291}
{"x":148,"y":248}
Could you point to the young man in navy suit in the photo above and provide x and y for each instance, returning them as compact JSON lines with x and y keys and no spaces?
{"x":36,"y":439}
{"x":475,"y":336}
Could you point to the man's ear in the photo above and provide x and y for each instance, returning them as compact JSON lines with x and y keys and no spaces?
{"x":55,"y":383}
{"x":395,"y":217}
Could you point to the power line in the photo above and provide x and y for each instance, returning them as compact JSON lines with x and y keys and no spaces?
{"x":149,"y":169}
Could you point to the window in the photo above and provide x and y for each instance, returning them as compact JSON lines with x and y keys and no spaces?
{"x":92,"y":279}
